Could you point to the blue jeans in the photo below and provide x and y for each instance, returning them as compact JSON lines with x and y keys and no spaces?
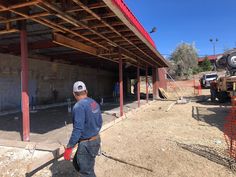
{"x":84,"y":159}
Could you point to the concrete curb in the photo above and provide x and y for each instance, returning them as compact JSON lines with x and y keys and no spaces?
{"x":40,"y":107}
{"x":126,"y":116}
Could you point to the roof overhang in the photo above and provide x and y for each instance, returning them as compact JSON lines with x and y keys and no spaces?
{"x":98,"y":28}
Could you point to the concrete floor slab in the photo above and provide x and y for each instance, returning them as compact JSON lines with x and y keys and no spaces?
{"x":54,"y":125}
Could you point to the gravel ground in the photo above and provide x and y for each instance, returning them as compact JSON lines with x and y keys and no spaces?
{"x":186,"y":141}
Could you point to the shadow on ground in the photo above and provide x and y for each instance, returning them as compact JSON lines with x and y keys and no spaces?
{"x":63,"y":168}
{"x":211,"y":154}
{"x":214,"y":116}
{"x":44,"y":121}
{"x":58,"y":169}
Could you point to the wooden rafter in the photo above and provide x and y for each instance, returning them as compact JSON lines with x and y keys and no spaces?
{"x":55,"y":26}
{"x":43,"y":14}
{"x":93,"y":6}
{"x":7,"y":31}
{"x":112,"y":28}
{"x":16,"y":6}
{"x":93,"y":30}
{"x":90,"y":18}
{"x":72,"y":20}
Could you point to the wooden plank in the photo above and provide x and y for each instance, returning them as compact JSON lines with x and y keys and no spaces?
{"x":16,"y":6}
{"x":29,"y":145}
{"x":9,"y":31}
{"x":45,"y":160}
{"x":92,"y":6}
{"x":67,"y":42}
{"x":24,"y":18}
{"x":164,"y":93}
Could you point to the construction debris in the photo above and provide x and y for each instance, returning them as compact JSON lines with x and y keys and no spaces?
{"x":163,"y":93}
{"x":171,"y":105}
{"x":180,"y":101}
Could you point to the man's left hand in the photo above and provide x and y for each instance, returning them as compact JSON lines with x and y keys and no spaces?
{"x":68,"y":153}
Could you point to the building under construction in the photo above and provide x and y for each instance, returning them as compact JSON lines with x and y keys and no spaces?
{"x":47,"y":45}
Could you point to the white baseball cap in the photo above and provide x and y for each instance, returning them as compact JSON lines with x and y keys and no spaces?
{"x":79,"y":86}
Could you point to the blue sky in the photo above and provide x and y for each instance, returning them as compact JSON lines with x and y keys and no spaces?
{"x":188,"y":21}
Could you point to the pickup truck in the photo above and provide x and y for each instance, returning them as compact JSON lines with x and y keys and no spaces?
{"x":207,"y":78}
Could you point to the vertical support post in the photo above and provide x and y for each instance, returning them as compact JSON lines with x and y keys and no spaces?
{"x":138,"y":85}
{"x":24,"y":82}
{"x":147,"y":94}
{"x":154,"y":83}
{"x":121,"y":83}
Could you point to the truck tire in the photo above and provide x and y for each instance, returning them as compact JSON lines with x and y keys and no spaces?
{"x":222,"y":97}
{"x":232,"y":60}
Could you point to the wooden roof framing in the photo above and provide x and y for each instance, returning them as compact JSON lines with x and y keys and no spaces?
{"x":94,"y":27}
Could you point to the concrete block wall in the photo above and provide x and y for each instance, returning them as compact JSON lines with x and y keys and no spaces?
{"x":162,"y":78}
{"x":46,"y":76}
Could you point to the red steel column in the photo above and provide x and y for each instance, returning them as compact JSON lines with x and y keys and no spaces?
{"x":138,"y":85}
{"x":121,"y":83}
{"x":24,"y":83}
{"x":147,"y":95}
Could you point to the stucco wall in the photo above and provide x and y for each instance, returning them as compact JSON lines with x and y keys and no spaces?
{"x":46,"y":76}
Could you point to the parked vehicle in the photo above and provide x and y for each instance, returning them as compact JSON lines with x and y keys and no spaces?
{"x":206,"y":79}
{"x":225,"y":87}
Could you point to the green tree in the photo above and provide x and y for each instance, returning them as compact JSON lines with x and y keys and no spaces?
{"x":185,"y":60}
{"x":206,"y":65}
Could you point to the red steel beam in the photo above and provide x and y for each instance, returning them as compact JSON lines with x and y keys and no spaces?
{"x":121,"y":83}
{"x":138,"y":85}
{"x":147,"y":95}
{"x":24,"y":83}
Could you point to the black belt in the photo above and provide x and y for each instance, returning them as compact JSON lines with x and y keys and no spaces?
{"x":89,"y":139}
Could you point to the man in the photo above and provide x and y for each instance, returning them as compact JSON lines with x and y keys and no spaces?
{"x":213,"y":90}
{"x":87,"y":122}
{"x":116,"y":92}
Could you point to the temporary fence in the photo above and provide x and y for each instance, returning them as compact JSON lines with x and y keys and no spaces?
{"x":230,"y":129}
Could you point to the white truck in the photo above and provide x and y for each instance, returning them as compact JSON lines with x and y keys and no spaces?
{"x":206,"y":79}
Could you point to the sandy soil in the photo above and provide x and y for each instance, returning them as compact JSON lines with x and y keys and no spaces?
{"x":186,"y":141}
{"x":151,"y":139}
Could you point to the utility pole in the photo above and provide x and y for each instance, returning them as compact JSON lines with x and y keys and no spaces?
{"x":214,"y":41}
{"x":214,"y":49}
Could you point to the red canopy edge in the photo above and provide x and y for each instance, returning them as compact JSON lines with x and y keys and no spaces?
{"x":131,"y":17}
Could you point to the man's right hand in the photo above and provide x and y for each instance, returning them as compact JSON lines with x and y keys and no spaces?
{"x":67,"y":153}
